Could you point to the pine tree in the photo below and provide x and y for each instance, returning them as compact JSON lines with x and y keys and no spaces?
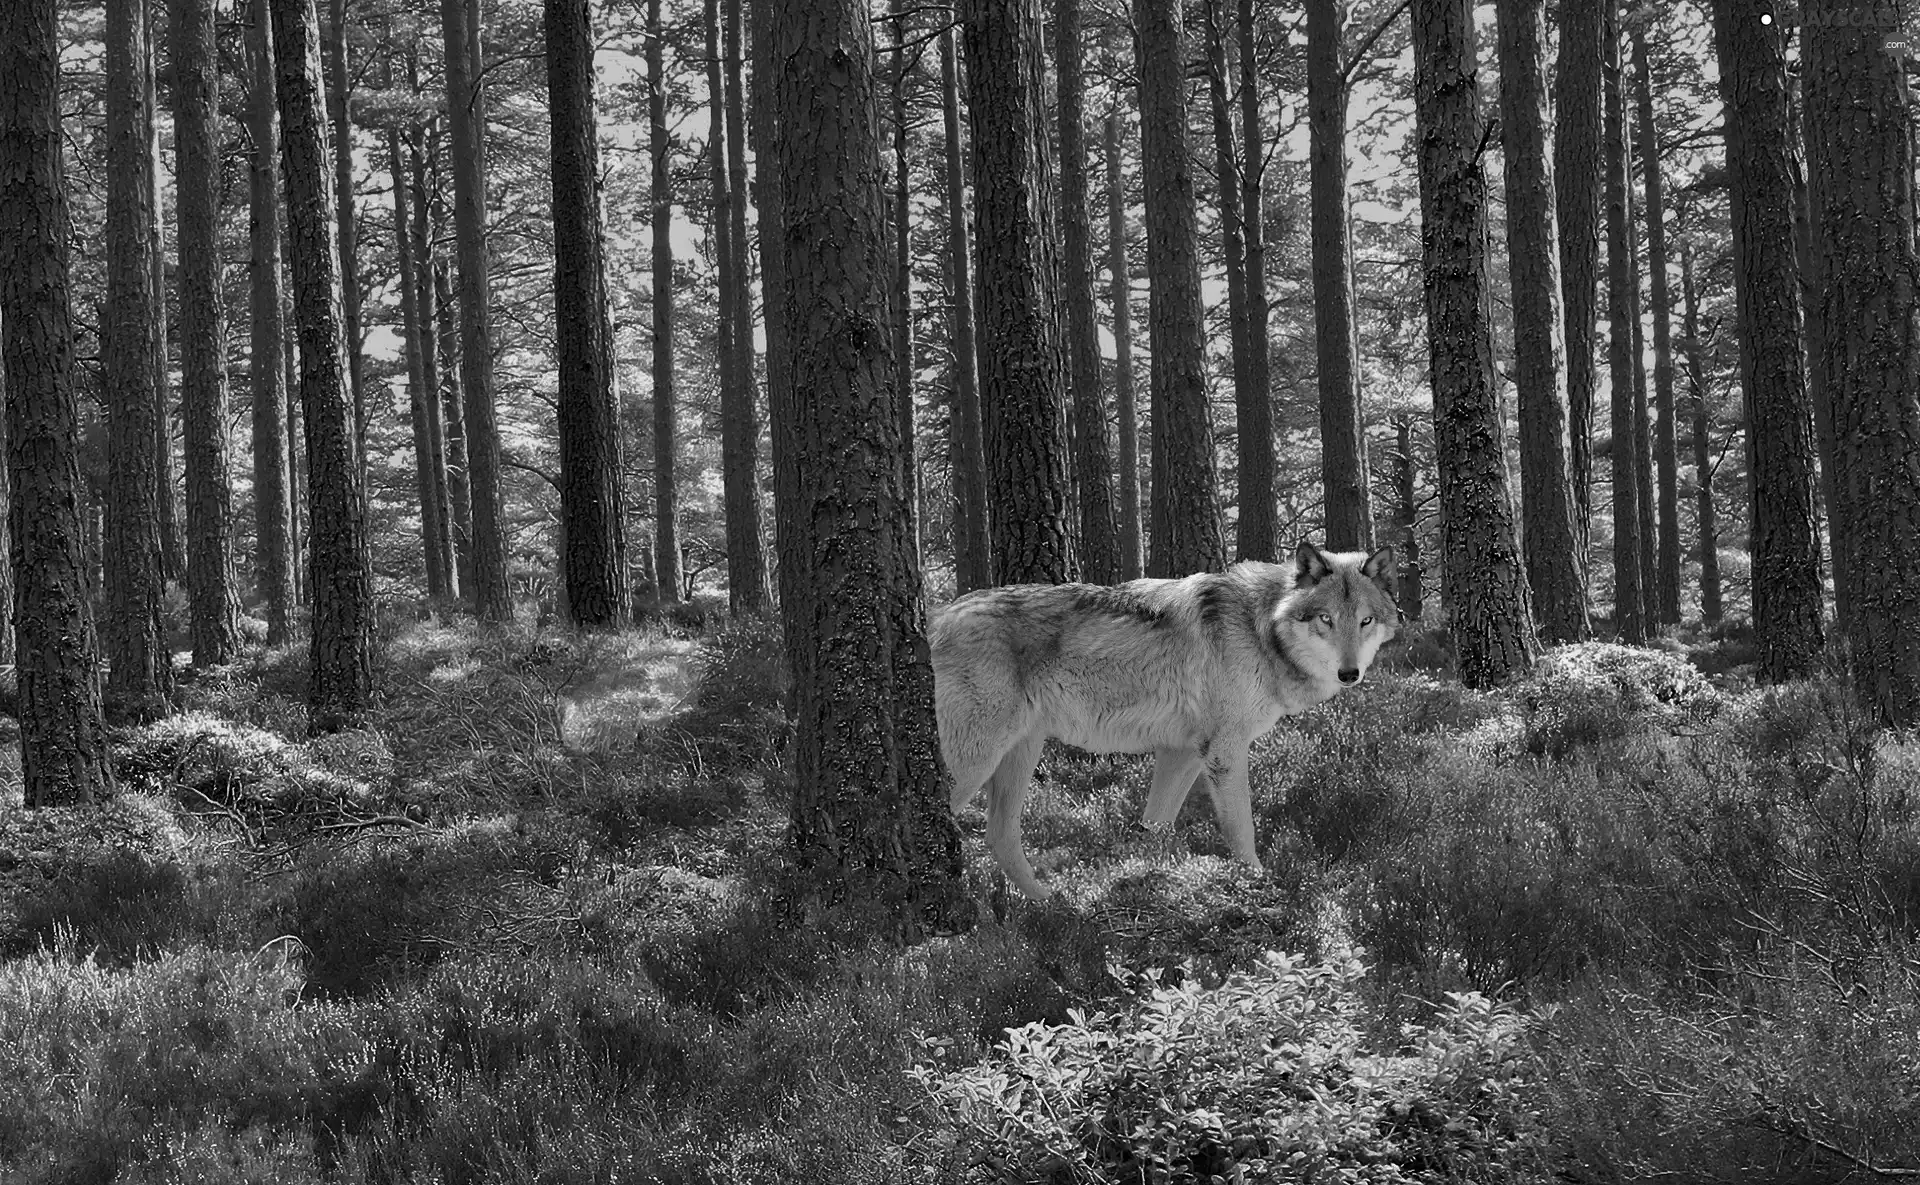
{"x":341,"y":654}
{"x":63,"y":749}
{"x":1184,"y":524}
{"x":1482,"y":578}
{"x":1766,"y":279}
{"x":870,"y":820}
{"x":1552,"y":536}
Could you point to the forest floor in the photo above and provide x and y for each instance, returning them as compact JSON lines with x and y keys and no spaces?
{"x":1622,"y":921}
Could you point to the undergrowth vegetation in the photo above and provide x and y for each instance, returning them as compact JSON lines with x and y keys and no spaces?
{"x":1621,"y":921}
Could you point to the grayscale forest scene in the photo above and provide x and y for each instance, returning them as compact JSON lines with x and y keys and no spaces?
{"x":852,"y":592}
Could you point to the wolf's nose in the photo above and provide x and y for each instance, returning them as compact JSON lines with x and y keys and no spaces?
{"x":1350,"y":675}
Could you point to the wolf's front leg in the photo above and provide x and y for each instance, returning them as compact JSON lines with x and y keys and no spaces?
{"x":1174,"y":773}
{"x":1233,"y":801}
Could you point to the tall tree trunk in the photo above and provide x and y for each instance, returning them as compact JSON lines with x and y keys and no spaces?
{"x":138,"y":666}
{"x":1642,"y":427}
{"x":173,"y":555}
{"x":900,"y":215}
{"x":1120,"y":300}
{"x":1766,"y":278}
{"x":1483,"y":580}
{"x":1406,"y":519}
{"x":266,"y":338}
{"x":63,"y":750}
{"x":340,"y":112}
{"x":6,"y":501}
{"x":666,"y":498}
{"x":1343,"y":456}
{"x":1861,"y":154}
{"x":1551,"y":532}
{"x":593,"y":509}
{"x":789,"y":539}
{"x":437,"y":308}
{"x":1184,"y":524}
{"x":1578,"y":170}
{"x":290,"y":384}
{"x":1707,"y":527}
{"x":1226,"y":170}
{"x":1826,"y":439}
{"x":1629,"y":595}
{"x":466,"y":118}
{"x":423,"y":401}
{"x":1022,"y":374}
{"x":740,"y":508}
{"x":341,"y":564}
{"x":972,"y":546}
{"x":1259,"y":535}
{"x":870,"y":820}
{"x":753,"y":578}
{"x":1666,"y":599}
{"x":1093,"y":440}
{"x":214,"y":606}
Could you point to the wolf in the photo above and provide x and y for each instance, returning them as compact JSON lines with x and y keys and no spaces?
{"x":1190,"y":670}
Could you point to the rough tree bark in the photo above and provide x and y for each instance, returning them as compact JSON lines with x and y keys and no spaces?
{"x":870,"y":820}
{"x":266,"y":337}
{"x":460,"y":25}
{"x":423,"y":402}
{"x":1017,"y":268}
{"x":752,"y":580}
{"x":972,"y":546}
{"x":1184,"y":524}
{"x":1483,"y":581}
{"x":138,"y":667}
{"x":900,"y":217}
{"x":63,"y":749}
{"x":340,"y":113}
{"x":1120,"y":301}
{"x":666,"y":496}
{"x":1259,"y":535}
{"x":1666,"y":598}
{"x":1629,"y":595}
{"x":1343,"y":458}
{"x":593,"y":508}
{"x":746,"y":574}
{"x":1578,"y":165}
{"x":1550,"y":530}
{"x":214,"y":604}
{"x":341,"y":587}
{"x":1861,"y":179}
{"x":1766,"y":278}
{"x":1093,"y":440}
{"x":1233,"y":252}
{"x":1705,"y":519}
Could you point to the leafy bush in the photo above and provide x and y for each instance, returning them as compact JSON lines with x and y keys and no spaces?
{"x":1591,"y":692}
{"x":254,"y":777}
{"x":1265,"y":1075}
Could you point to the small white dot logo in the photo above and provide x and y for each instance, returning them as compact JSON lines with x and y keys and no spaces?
{"x":1766,"y":18}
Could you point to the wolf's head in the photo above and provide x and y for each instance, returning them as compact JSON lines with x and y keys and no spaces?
{"x":1340,"y":611}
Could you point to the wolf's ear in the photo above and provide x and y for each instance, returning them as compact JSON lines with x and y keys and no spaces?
{"x":1310,"y":565}
{"x":1383,"y":568}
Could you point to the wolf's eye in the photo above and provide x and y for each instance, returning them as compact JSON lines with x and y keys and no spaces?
{"x":1365,"y":622}
{"x":1325,"y":619}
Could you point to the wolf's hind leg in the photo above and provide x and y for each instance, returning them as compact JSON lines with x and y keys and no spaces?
{"x":1174,"y":773}
{"x":1006,"y":794}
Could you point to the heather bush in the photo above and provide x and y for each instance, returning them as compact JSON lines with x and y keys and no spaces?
{"x":1587,"y":693}
{"x":1267,"y":1075}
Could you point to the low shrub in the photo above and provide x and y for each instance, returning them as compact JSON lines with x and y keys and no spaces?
{"x":367,"y":913}
{"x":1264,"y":1076}
{"x":105,"y":1066}
{"x":1587,"y":693}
